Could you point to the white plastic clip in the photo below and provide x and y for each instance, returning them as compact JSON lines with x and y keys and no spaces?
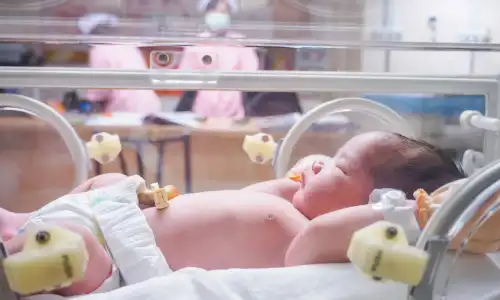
{"x":395,"y":208}
{"x":474,"y":119}
{"x":160,"y":196}
{"x":472,"y":161}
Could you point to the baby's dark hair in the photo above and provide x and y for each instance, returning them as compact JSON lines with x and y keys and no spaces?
{"x":415,"y":164}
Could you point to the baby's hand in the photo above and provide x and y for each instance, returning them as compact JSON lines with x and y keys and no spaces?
{"x":306,"y":163}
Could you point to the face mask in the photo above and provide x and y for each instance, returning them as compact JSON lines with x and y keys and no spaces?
{"x":217,"y":21}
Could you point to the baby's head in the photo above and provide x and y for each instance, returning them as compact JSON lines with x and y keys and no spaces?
{"x":371,"y":161}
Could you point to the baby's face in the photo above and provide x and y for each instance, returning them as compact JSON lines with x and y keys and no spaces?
{"x":341,"y":181}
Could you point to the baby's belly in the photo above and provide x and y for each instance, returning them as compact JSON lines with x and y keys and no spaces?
{"x":226,"y":229}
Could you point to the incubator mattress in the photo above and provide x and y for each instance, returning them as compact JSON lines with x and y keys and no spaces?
{"x":474,"y":277}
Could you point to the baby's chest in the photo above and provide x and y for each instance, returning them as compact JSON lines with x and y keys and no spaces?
{"x":234,"y":229}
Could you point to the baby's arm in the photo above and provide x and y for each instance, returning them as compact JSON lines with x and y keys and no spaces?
{"x":98,"y":266}
{"x":326,"y":238}
{"x":284,"y":187}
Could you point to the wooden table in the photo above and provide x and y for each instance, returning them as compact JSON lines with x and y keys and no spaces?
{"x":36,"y":166}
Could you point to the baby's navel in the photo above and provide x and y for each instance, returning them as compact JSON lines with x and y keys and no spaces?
{"x":270,"y":217}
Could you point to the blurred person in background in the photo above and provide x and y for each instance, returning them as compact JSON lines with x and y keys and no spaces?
{"x":125,"y":57}
{"x":217,"y":56}
{"x":217,"y":15}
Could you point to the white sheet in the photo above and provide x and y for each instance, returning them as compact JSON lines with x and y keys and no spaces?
{"x":475,"y":277}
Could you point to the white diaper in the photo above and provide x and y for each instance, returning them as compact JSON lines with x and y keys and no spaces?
{"x":112,"y":213}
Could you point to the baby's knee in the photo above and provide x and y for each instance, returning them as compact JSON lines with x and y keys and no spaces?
{"x":107,"y":179}
{"x":99,"y":182}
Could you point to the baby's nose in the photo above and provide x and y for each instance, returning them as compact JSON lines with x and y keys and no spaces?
{"x":317,"y":166}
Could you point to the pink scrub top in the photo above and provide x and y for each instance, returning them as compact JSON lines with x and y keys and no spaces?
{"x":222,"y":58}
{"x":128,"y":58}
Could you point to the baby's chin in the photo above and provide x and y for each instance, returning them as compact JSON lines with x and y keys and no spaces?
{"x":299,"y":202}
{"x":307,"y":207}
{"x":313,"y":205}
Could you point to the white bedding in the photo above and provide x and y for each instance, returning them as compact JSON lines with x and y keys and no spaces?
{"x":475,"y":277}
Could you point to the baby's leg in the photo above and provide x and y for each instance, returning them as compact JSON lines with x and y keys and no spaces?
{"x":98,"y":267}
{"x":99,"y":182}
{"x":326,"y":238}
{"x":11,"y":222}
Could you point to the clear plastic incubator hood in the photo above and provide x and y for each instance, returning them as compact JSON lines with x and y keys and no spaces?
{"x":214,"y":95}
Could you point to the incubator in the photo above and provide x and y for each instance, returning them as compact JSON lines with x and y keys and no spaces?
{"x":307,"y":76}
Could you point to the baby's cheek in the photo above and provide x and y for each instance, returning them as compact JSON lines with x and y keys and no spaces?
{"x":306,"y":208}
{"x":360,"y":188}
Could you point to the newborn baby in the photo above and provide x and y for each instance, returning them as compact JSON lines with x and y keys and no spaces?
{"x":276,"y":223}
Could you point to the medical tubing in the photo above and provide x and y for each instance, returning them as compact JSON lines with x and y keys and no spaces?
{"x":478,"y":202}
{"x":455,"y":212}
{"x":483,"y":197}
{"x":485,"y":123}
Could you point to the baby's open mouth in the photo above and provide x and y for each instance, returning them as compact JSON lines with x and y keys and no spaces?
{"x":297,"y":177}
